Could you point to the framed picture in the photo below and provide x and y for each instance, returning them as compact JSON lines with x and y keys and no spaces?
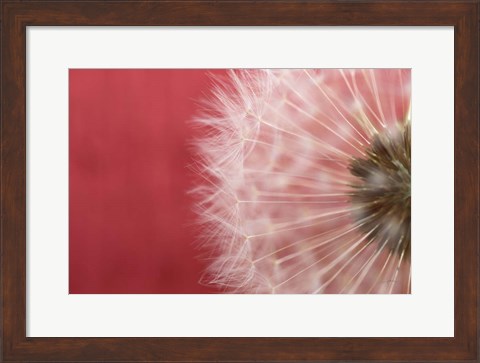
{"x":239,"y":181}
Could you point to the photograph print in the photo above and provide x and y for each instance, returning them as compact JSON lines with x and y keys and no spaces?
{"x":240,"y":181}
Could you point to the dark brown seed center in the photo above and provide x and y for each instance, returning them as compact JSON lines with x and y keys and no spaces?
{"x":381,"y":195}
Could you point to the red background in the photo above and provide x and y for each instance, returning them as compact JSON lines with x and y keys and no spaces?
{"x":130,"y":215}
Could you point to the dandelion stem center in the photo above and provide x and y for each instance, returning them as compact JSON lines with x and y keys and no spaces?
{"x":381,"y":194}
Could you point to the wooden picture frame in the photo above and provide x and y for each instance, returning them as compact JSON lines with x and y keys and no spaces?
{"x":18,"y":15}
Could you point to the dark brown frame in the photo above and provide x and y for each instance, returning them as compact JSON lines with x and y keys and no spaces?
{"x":17,"y":15}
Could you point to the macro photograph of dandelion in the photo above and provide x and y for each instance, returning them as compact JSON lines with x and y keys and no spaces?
{"x":308,"y":181}
{"x":243,"y":181}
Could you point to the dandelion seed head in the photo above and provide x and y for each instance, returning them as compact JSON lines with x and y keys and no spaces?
{"x":294,"y":164}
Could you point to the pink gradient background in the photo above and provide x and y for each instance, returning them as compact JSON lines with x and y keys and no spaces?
{"x":130,"y":218}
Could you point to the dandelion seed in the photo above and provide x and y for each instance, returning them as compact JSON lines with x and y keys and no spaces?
{"x":307,"y":181}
